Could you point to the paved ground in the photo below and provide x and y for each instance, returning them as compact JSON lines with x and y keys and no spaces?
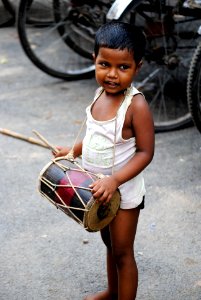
{"x":43,"y":254}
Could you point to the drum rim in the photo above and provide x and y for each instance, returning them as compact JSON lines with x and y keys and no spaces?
{"x":91,"y":202}
{"x":52,"y":162}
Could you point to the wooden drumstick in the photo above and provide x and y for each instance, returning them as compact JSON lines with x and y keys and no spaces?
{"x":50,"y":146}
{"x":22,"y":137}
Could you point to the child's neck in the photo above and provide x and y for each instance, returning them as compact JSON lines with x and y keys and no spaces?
{"x":113,"y":95}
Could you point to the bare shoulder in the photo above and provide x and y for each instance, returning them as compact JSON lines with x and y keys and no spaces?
{"x":138,"y":120}
{"x":142,"y":123}
{"x":141,"y":116}
{"x":139,"y":102}
{"x":139,"y":107}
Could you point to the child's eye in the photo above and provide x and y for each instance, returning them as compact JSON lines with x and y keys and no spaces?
{"x":103,"y":64}
{"x":124,"y":67}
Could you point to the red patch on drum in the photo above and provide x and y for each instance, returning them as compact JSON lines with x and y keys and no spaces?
{"x":72,"y":180}
{"x":65,"y":192}
{"x":78,"y":178}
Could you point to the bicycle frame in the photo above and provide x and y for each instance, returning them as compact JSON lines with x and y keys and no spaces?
{"x":119,"y":7}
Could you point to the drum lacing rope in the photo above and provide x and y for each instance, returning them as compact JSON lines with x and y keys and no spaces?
{"x":70,"y":155}
{"x":53,"y":186}
{"x":64,"y":168}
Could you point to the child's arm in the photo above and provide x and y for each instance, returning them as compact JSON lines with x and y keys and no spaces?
{"x":143,"y":128}
{"x":63,"y":151}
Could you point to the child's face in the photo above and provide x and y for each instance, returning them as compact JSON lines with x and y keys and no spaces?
{"x":115,"y":69}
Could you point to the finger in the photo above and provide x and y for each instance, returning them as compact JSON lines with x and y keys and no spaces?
{"x":58,"y":154}
{"x":58,"y":147}
{"x":97,"y":195}
{"x":94,"y":186}
{"x":104,"y":198}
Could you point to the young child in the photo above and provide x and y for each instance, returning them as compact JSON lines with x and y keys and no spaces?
{"x":119,"y":142}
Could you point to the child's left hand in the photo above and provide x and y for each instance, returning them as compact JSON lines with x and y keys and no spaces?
{"x":104,"y":188}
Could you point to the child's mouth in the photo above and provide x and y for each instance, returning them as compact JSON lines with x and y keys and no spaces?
{"x":111,"y":84}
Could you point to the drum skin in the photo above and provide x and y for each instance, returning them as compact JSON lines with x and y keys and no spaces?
{"x":66,"y":185}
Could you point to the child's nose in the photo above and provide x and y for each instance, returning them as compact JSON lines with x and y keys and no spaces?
{"x":112,"y":73}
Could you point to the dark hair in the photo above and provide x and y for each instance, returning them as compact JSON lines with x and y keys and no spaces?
{"x":119,"y":35}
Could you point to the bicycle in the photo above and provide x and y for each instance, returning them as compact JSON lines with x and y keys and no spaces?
{"x":194,"y":88}
{"x":64,"y":48}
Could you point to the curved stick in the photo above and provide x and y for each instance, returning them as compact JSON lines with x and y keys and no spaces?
{"x":50,"y":146}
{"x":22,"y":137}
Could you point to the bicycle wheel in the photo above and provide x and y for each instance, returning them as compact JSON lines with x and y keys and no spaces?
{"x":44,"y":45}
{"x":194,"y":88}
{"x":171,"y":40}
{"x":78,"y":22}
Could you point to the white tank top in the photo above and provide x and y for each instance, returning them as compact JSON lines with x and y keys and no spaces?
{"x":99,"y":154}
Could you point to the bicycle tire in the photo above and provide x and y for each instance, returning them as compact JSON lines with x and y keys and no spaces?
{"x":194,"y":87}
{"x":44,"y":46}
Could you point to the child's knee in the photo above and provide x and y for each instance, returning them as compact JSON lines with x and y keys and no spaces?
{"x":123,"y":256}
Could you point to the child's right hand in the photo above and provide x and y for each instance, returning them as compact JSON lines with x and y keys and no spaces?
{"x":103,"y":189}
{"x":62,"y":151}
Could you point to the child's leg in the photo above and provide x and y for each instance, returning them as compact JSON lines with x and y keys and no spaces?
{"x":121,"y":265}
{"x":112,"y":275}
{"x":112,"y":292}
{"x":122,"y":232}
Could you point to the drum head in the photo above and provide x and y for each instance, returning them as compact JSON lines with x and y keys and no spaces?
{"x":98,"y":216}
